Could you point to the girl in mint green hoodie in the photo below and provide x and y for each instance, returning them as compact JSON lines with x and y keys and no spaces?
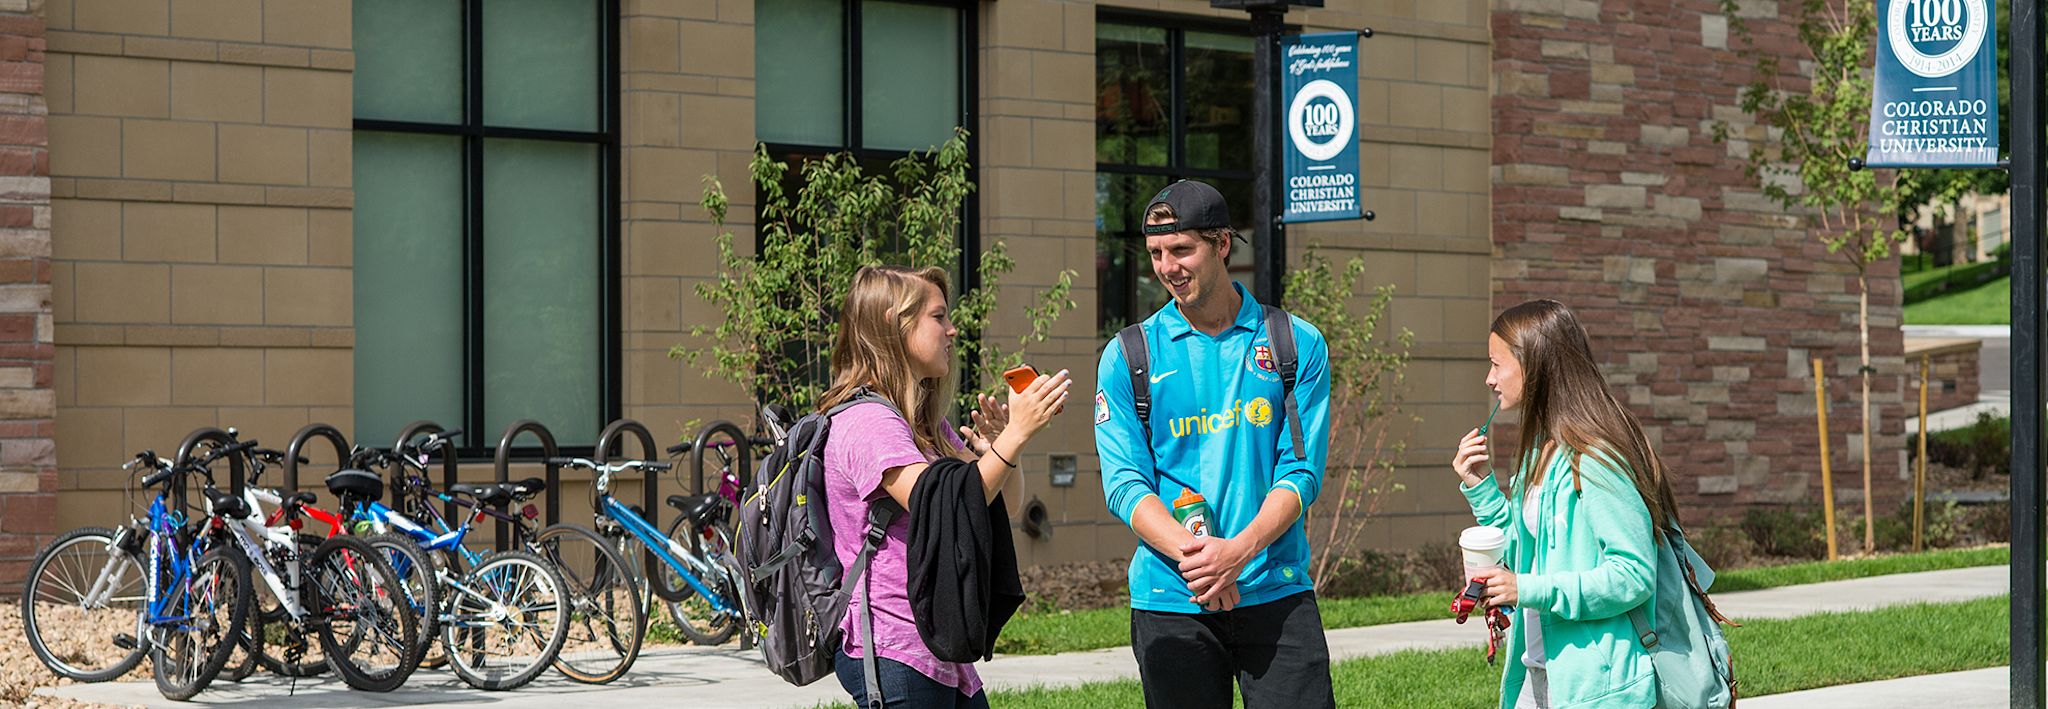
{"x":1585,"y":495}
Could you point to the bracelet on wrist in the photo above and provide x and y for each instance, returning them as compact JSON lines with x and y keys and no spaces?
{"x":999,"y":456}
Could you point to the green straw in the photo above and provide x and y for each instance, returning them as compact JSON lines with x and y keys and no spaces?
{"x":1489,"y":417}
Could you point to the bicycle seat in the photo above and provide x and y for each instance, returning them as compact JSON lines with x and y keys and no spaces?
{"x":301,"y":498}
{"x":529,"y":487}
{"x":491,"y":494}
{"x":356,"y":484}
{"x":696,"y":507}
{"x":227,"y":505}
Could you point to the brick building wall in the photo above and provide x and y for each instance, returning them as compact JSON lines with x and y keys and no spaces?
{"x":1706,"y":302}
{"x":200,"y":161}
{"x":28,"y":472}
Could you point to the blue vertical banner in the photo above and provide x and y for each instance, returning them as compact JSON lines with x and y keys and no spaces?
{"x":1936,"y":99}
{"x":1319,"y":126}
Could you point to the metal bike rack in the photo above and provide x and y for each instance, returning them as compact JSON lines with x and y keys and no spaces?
{"x":448,"y":462}
{"x":218,"y":437}
{"x":502,"y":461}
{"x":650,"y":482}
{"x":740,"y":441}
{"x":299,"y":441}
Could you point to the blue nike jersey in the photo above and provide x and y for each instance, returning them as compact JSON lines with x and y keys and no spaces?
{"x":1216,"y":427}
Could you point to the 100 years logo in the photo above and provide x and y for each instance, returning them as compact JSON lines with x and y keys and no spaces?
{"x":1935,"y":38}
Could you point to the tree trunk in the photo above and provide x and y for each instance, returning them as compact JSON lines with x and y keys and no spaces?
{"x":1863,"y":333}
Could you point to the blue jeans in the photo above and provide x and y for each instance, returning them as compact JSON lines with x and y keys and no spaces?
{"x":902,"y":686}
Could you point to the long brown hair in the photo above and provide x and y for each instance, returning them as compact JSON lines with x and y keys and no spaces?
{"x":1565,"y":402}
{"x":882,"y":305}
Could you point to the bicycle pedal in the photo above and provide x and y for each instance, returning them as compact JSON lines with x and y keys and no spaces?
{"x":124,"y":641}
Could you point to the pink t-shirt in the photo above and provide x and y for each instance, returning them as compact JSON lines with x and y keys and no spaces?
{"x":866,"y":440}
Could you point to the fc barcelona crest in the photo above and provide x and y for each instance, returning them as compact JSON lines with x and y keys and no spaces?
{"x":1262,"y":355}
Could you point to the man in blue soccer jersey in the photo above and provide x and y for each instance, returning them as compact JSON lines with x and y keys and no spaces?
{"x":1204,"y":410}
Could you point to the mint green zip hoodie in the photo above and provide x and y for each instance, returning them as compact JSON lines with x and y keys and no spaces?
{"x":1591,"y":559}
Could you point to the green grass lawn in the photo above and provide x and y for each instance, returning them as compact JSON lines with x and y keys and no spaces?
{"x":1069,"y":631}
{"x":1770,"y":657}
{"x":1988,"y":304}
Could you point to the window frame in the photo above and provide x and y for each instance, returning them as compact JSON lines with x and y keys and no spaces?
{"x":1176,"y":167}
{"x":474,"y":132}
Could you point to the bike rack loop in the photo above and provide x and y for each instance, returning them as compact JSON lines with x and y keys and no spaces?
{"x":744,"y":455}
{"x":650,"y":482}
{"x":448,"y":462}
{"x":220,"y":438}
{"x":502,"y":461}
{"x":299,"y":441}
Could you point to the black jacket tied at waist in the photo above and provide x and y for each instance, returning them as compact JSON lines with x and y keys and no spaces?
{"x":964,"y":583}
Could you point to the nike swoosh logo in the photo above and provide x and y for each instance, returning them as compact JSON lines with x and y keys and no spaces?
{"x":1157,"y":377}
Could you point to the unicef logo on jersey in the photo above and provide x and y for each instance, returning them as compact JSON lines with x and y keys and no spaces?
{"x":1258,"y":412}
{"x":1936,"y":38}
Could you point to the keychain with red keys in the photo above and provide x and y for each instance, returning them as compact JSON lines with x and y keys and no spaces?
{"x":1497,"y":622}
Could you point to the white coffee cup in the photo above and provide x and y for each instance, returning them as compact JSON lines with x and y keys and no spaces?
{"x":1482,"y":547}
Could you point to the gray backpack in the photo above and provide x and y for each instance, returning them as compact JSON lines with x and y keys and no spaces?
{"x":793,"y":584}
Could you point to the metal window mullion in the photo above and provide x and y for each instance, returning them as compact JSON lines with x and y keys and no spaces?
{"x":611,"y":403}
{"x":473,"y":279}
{"x":852,"y":80}
{"x":1176,"y":96}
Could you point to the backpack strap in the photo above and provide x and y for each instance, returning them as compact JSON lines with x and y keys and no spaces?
{"x":880,"y":515}
{"x":1644,"y":634}
{"x":1139,"y":360}
{"x":1280,"y":331}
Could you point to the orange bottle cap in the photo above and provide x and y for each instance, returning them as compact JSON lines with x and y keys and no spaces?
{"x":1187,"y":497}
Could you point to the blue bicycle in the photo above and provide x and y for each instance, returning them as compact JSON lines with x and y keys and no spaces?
{"x":697,"y":575}
{"x":196,"y":591}
{"x":501,"y":622}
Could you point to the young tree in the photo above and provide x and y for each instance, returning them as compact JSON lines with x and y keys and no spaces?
{"x":1367,"y":385}
{"x":1801,"y":150}
{"x":781,"y":304}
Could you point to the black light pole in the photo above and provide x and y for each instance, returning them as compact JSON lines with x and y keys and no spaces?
{"x":1269,"y":239}
{"x":2027,"y":578}
{"x":1271,"y":246}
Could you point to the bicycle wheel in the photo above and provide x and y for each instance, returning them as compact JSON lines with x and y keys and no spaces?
{"x":282,"y":647}
{"x":370,"y":632}
{"x":422,"y":590}
{"x":506,"y":621}
{"x":695,"y":618}
{"x":82,"y":597}
{"x":606,"y":623}
{"x":210,"y":609}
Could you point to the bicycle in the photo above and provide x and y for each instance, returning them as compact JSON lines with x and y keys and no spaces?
{"x":344,"y":593}
{"x":196,"y":599}
{"x":701,"y":572}
{"x":512,"y":592}
{"x":90,"y":577}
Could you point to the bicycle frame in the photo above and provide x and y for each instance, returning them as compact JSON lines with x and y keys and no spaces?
{"x":165,"y":527}
{"x":668,"y":550}
{"x":247,"y":532}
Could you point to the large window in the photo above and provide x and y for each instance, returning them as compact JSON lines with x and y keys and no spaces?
{"x":1171,"y":103}
{"x":485,"y":216}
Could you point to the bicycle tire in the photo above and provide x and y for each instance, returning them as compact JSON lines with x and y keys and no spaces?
{"x":469,"y":622}
{"x":353,"y":584}
{"x":274,"y":615}
{"x":39,"y":599}
{"x":694,"y":617}
{"x":607,"y":623}
{"x":415,"y":571}
{"x":181,"y":665}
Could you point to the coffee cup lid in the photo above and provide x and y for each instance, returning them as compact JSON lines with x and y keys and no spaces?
{"x":1482,"y":538}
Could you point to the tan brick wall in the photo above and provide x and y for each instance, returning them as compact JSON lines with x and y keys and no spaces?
{"x":199,"y":228}
{"x":687,"y":104}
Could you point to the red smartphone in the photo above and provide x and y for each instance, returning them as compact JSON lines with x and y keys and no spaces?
{"x":1020,"y":377}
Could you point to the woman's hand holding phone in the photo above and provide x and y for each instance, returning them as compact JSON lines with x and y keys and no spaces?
{"x":1033,"y":406}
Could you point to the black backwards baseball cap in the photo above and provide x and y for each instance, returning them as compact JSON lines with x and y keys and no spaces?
{"x":1196,"y":205}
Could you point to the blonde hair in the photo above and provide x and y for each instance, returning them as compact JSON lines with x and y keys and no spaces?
{"x":1218,"y":237}
{"x":882,"y":306}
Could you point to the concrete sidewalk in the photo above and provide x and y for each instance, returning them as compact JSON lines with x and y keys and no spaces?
{"x":1955,"y":690}
{"x":725,"y":677}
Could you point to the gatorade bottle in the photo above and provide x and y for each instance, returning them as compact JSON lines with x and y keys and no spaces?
{"x":1192,"y":512}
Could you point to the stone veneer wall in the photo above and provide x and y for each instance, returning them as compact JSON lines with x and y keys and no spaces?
{"x":1706,"y":302}
{"x":28,"y":466}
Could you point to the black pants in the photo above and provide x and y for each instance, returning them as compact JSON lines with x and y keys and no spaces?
{"x":1275,"y":651}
